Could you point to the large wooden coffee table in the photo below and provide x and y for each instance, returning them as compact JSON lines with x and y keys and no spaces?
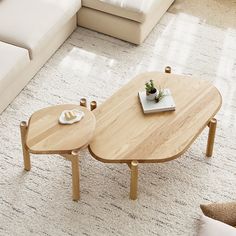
{"x":124,"y":134}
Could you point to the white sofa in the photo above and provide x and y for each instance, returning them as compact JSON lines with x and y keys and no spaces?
{"x":129,"y":20}
{"x":32,"y":30}
{"x":36,"y":28}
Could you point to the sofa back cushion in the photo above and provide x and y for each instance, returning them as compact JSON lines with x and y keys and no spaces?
{"x":30,"y":23}
{"x":136,"y":10}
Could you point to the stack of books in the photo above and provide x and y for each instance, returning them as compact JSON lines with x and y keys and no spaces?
{"x":165,"y":104}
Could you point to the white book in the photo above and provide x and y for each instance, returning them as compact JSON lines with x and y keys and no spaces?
{"x":166,"y":104}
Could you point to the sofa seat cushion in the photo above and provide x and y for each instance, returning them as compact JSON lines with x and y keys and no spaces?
{"x":211,"y":227}
{"x":32,"y":23}
{"x":13,"y":60}
{"x":136,"y":10}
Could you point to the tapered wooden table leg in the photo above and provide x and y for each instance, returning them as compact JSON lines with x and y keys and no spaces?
{"x":83,"y":102}
{"x":93,"y":105}
{"x":75,"y":175}
{"x":134,"y":180}
{"x":26,"y":154}
{"x":211,"y":137}
{"x":168,"y":70}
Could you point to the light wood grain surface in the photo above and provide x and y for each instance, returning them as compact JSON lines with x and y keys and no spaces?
{"x":46,"y":136}
{"x":124,"y":134}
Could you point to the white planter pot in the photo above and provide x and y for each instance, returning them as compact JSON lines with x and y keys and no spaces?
{"x":151,"y":96}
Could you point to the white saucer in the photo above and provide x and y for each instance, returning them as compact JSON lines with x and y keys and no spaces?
{"x":79,"y":115}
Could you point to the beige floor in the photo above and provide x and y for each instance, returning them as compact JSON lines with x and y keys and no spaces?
{"x":220,"y":13}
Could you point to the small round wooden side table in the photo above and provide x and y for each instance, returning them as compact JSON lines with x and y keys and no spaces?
{"x":44,"y":135}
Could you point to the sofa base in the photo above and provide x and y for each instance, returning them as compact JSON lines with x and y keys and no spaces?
{"x":119,"y":27}
{"x":22,"y":79}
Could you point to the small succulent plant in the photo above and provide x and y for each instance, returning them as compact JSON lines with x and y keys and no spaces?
{"x":150,"y":87}
{"x":160,"y":95}
{"x":153,"y":93}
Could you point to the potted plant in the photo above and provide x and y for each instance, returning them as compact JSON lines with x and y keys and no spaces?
{"x":151,"y":91}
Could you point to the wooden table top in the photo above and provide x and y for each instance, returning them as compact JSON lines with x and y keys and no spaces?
{"x":46,"y":136}
{"x":123,"y":133}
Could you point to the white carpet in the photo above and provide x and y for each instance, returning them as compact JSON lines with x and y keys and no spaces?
{"x":94,"y":66}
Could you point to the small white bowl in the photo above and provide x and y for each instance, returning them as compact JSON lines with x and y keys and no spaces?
{"x":79,"y":115}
